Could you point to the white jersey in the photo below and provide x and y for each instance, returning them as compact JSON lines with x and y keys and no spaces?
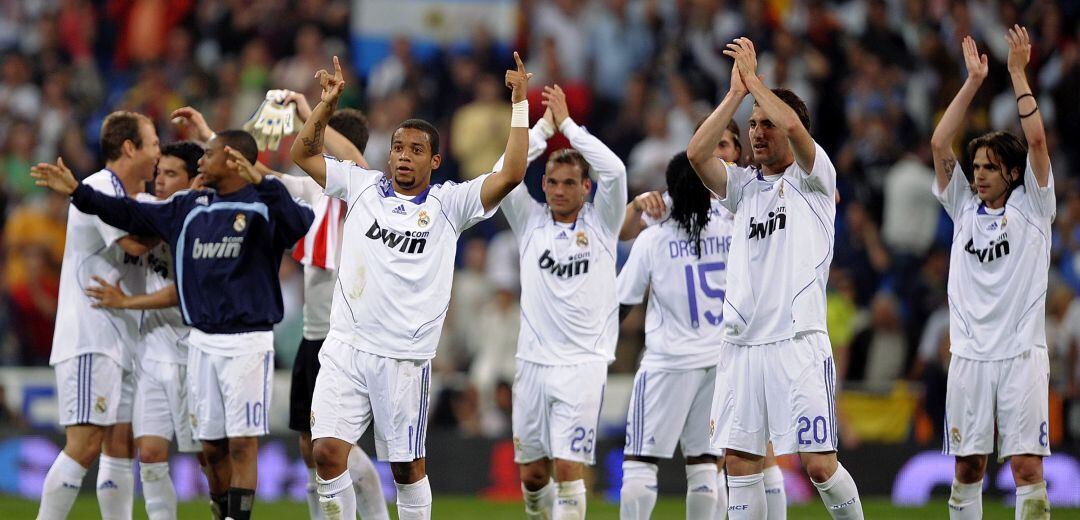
{"x":781,"y":248}
{"x":569,"y":312}
{"x":686,"y":300}
{"x":162,"y":329}
{"x":998,"y":268}
{"x":91,"y":250}
{"x":397,"y":260}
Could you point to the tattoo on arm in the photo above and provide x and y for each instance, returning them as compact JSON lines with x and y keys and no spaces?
{"x":313,"y":144}
{"x":948,"y":164}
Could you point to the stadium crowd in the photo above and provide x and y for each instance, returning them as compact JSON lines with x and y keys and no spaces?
{"x":640,"y":74}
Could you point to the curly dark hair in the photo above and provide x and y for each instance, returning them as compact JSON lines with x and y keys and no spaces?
{"x":690,"y":199}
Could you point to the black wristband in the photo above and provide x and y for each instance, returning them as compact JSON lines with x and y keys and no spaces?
{"x":1022,"y":96}
{"x":1029,"y":114}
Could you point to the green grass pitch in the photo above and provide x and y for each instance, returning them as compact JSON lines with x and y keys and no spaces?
{"x":457,"y":507}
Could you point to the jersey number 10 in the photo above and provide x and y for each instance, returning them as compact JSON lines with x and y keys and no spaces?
{"x":691,"y":293}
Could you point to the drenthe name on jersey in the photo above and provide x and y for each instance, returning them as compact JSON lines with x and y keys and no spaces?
{"x":996,"y":249}
{"x":412,"y":242}
{"x":577,"y":264}
{"x":709,"y":245}
{"x":777,"y":220}
{"x":228,"y":247}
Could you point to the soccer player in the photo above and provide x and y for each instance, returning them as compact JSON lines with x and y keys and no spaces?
{"x":161,"y":400}
{"x":392,"y":292}
{"x":775,"y":378}
{"x":569,"y":312}
{"x":92,"y":347}
{"x":997,"y":291}
{"x":682,"y":262}
{"x":227,"y":246}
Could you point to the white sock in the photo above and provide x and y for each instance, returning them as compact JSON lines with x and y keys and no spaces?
{"x":1032,"y":502}
{"x":840,"y":495}
{"x":775,"y":497}
{"x":569,"y":500}
{"x":336,"y":497}
{"x":115,"y":488}
{"x":367,"y":486}
{"x":414,"y":500}
{"x":314,"y":509}
{"x":638,"y":495}
{"x":746,"y":497}
{"x":540,"y":503}
{"x":721,"y":495}
{"x":158,"y":491}
{"x":700,"y":490}
{"x":965,"y":502}
{"x":61,"y":486}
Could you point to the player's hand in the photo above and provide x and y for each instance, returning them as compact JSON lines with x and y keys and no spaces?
{"x":190,"y":119}
{"x":1019,"y":48}
{"x":56,"y":177}
{"x":332,"y":84}
{"x":518,"y":80}
{"x":742,"y":49}
{"x":303,"y":108}
{"x":555,"y":99}
{"x":977,"y":65}
{"x":650,"y":203}
{"x":107,"y":295}
{"x":198,"y":183}
{"x":738,"y":87}
{"x":236,"y":162}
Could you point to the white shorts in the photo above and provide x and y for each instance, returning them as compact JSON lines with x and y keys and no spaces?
{"x":783,"y":392}
{"x":556,"y":411}
{"x":669,"y":408}
{"x":94,"y":389}
{"x":1017,"y":388}
{"x":355,"y":388}
{"x":229,"y":395}
{"x":161,"y":404}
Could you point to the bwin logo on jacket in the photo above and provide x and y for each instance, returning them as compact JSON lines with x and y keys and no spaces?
{"x":228,"y":247}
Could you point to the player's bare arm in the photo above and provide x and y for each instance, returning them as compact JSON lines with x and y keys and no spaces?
{"x":308,"y":146}
{"x":779,"y":113}
{"x":336,"y":144}
{"x":952,"y":121}
{"x":237,"y":162}
{"x":111,"y":296}
{"x":649,"y":203}
{"x":193,"y":121}
{"x":1030,"y":116}
{"x":515,"y":159}
{"x":711,"y":170}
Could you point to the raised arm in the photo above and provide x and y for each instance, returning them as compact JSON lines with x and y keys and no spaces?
{"x":336,"y":144}
{"x":308,"y":147}
{"x":649,"y":203}
{"x":781,"y":115}
{"x":515,"y":159}
{"x":111,"y":296}
{"x":710,"y":169}
{"x":1030,"y":117}
{"x":291,"y":216}
{"x":952,"y":121}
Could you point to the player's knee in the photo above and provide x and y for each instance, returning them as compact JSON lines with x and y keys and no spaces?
{"x":693,"y":459}
{"x":243,"y":447}
{"x":85,"y":454}
{"x":820,"y":468}
{"x":153,"y":453}
{"x":739,"y":463}
{"x":214,"y":452}
{"x":408,"y":472}
{"x":970,"y":469}
{"x":1026,"y":469}
{"x":535,"y":475}
{"x":331,"y":458}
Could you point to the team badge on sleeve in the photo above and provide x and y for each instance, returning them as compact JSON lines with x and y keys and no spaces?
{"x":240,"y":222}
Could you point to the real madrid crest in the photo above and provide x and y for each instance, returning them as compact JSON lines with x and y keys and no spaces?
{"x":581,"y":239}
{"x":99,"y":405}
{"x":954,"y":435}
{"x":240,"y":222}
{"x":781,"y":189}
{"x":1004,"y":220}
{"x":423,"y":219}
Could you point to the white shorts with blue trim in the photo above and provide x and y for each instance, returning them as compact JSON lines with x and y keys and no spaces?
{"x":161,"y":404}
{"x":782,"y":392}
{"x":669,"y":408}
{"x":557,"y":410}
{"x":355,"y":388}
{"x":229,"y":395}
{"x":94,"y":389}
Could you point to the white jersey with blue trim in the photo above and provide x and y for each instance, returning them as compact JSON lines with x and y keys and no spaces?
{"x":162,"y":329}
{"x":397,"y":260}
{"x":998,"y":268}
{"x":91,"y":250}
{"x":781,"y":248}
{"x":684,"y":316}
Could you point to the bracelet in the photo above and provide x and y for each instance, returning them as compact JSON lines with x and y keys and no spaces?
{"x":520,"y":116}
{"x":1022,"y":96}
{"x":1029,"y":114}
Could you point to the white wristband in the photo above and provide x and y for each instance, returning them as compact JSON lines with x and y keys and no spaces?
{"x":520,"y":117}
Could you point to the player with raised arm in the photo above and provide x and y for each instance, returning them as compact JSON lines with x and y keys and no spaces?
{"x":569,"y":312}
{"x":161,"y":400}
{"x":92,"y":347}
{"x":392,"y":292}
{"x":227,"y":246}
{"x":998,"y":269}
{"x":775,"y":376}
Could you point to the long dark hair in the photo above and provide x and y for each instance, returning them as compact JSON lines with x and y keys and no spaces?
{"x":690,"y":199}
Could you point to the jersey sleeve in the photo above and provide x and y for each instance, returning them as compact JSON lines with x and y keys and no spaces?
{"x":956,"y":193}
{"x":737,"y":180}
{"x":345,"y":179}
{"x":462,"y":205}
{"x":127,"y":216}
{"x":634,"y":277}
{"x":301,"y":187}
{"x":821,"y":179}
{"x":1043,"y":201}
{"x":291,"y":216}
{"x":606,"y":169}
{"x":518,"y":206}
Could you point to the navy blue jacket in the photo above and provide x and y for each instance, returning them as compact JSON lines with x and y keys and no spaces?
{"x":226,"y":248}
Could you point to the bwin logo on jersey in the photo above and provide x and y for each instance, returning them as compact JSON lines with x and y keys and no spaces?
{"x":228,"y":247}
{"x":777,"y":220}
{"x":579,"y":264}
{"x":989,"y":254}
{"x":411,"y":242}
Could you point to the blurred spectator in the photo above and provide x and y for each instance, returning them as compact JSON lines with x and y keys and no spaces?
{"x":18,"y":95}
{"x":880,"y":351}
{"x":931,"y":366}
{"x":649,"y":158}
{"x":561,"y":22}
{"x":910,"y":218}
{"x":481,"y":128}
{"x":621,"y":45}
{"x":16,"y":157}
{"x":860,"y":250}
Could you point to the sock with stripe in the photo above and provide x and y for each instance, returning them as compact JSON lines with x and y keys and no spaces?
{"x":115,"y":487}
{"x":700,"y":490}
{"x":638,"y":495}
{"x":61,"y":486}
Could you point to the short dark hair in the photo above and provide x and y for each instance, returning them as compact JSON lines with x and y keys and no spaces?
{"x":240,"y":141}
{"x":569,"y":156}
{"x":118,"y":127}
{"x":352,"y":124}
{"x":423,"y":126}
{"x":1007,"y":149}
{"x":796,"y":103}
{"x":188,"y":151}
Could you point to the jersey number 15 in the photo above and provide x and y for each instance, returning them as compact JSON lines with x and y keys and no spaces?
{"x":691,"y":293}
